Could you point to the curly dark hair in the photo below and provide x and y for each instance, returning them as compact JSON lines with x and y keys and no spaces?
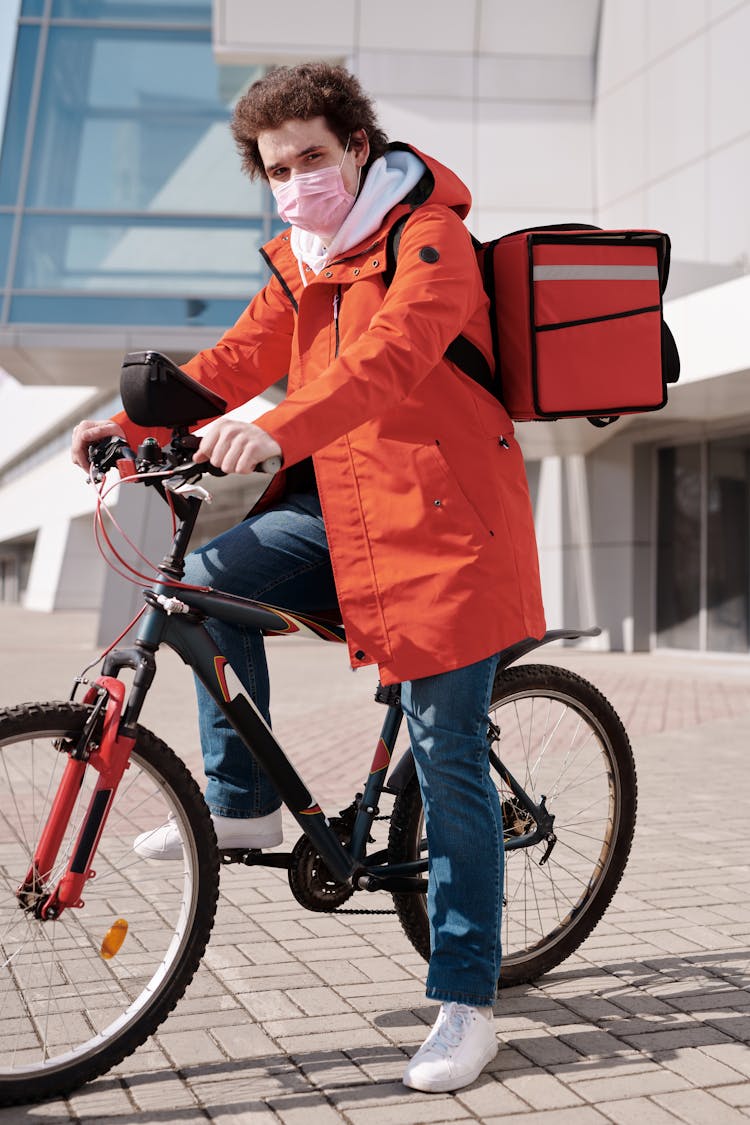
{"x":312,"y":89}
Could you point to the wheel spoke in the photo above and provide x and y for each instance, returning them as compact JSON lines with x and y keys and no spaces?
{"x":64,"y":1004}
{"x":558,"y":738}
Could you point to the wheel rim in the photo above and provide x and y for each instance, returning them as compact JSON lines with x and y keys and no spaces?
{"x":558,"y":749}
{"x":60,"y":1001}
{"x":554,"y":746}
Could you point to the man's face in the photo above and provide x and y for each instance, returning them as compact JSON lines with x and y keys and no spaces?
{"x":303,"y":146}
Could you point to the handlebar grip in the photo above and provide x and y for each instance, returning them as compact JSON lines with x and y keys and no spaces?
{"x":212,"y":470}
{"x":270,"y":466}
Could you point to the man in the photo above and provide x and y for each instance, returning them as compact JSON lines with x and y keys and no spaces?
{"x":413,"y":516}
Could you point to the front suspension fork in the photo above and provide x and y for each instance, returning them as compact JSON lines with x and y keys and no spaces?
{"x":110,"y":760}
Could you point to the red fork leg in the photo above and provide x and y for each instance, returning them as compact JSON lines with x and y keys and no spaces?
{"x":54,"y":830}
{"x":110,"y":760}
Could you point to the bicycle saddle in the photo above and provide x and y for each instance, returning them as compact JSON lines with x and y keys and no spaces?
{"x":156,"y":392}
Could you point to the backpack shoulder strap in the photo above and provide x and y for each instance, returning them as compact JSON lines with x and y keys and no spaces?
{"x":466,"y":356}
{"x":392,"y":245}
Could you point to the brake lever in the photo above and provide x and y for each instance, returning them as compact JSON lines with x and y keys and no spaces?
{"x":190,"y":442}
{"x":269,"y":467}
{"x":187,"y":488}
{"x":104,"y":454}
{"x":180,"y":482}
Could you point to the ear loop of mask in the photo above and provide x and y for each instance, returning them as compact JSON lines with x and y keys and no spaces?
{"x":359,"y":169}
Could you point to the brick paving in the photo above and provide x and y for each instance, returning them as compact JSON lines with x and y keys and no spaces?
{"x":309,"y":1018}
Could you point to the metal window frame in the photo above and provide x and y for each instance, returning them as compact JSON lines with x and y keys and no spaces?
{"x":19,"y":210}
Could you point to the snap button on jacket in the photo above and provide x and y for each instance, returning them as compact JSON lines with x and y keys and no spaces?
{"x":421,"y":482}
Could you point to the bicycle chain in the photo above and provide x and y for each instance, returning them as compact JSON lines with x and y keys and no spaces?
{"x":364,"y":910}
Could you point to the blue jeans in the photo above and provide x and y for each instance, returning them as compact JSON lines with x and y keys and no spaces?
{"x":281,"y":556}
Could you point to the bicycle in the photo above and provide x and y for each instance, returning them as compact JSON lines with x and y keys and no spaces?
{"x":97,"y":945}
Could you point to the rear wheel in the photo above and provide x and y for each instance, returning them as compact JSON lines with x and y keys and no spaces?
{"x":559,"y":738}
{"x":67,"y":1014}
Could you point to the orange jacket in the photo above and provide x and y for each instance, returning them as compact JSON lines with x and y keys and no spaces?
{"x":421,"y":482}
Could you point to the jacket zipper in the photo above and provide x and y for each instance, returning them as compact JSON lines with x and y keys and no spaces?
{"x":336,"y":304}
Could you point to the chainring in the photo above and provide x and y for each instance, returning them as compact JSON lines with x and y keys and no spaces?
{"x":312,"y":883}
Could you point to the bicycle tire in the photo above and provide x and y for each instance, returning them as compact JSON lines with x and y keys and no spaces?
{"x":69,"y":1015}
{"x":549,"y":707}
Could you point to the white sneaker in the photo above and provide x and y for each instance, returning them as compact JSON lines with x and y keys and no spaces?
{"x":165,"y":841}
{"x":456,"y":1051}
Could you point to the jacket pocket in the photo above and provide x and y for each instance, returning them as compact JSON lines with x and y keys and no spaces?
{"x":450,"y":499}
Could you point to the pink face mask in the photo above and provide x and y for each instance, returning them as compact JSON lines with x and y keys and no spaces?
{"x":316,"y":201}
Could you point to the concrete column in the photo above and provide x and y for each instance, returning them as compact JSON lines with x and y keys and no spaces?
{"x":81,"y":576}
{"x":644,"y":547}
{"x":46,"y":564}
{"x":578,"y":508}
{"x":548,"y":519}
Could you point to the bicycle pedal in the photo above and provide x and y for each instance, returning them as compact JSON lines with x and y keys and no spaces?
{"x":254,"y":857}
{"x":239,"y":855}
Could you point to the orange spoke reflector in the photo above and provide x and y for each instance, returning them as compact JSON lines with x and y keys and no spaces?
{"x":113,"y":939}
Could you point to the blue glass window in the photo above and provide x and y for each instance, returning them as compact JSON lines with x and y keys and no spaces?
{"x":139,"y":255}
{"x":32,"y":8}
{"x":134,"y":209}
{"x":6,"y":228}
{"x":188,"y":312}
{"x":137,"y":11}
{"x":136,"y":121}
{"x":16,"y":120}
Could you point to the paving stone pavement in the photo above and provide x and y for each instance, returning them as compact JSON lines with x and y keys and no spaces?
{"x":308,"y":1018}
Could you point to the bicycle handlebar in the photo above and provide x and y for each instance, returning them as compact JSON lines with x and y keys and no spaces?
{"x":154,"y":464}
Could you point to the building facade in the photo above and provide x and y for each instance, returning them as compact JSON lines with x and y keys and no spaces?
{"x":125,"y":223}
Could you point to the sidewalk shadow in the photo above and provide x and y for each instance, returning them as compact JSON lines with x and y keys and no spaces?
{"x":654,"y":1008}
{"x":627,"y":1014}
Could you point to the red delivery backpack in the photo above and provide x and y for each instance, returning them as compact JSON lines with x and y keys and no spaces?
{"x":577,"y":322}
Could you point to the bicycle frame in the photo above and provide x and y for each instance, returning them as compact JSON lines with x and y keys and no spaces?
{"x":175,"y":617}
{"x":182,"y":630}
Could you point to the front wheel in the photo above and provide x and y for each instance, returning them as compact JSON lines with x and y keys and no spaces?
{"x":559,"y":738}
{"x":69,"y":1011}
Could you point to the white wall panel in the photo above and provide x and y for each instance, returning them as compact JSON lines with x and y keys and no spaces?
{"x":488,"y":223}
{"x":622,"y":42}
{"x":680,"y":142}
{"x":729,"y":42}
{"x":252,"y":30}
{"x":537,"y":27}
{"x":443,"y":128}
{"x":425,"y":25}
{"x":621,"y":141}
{"x":525,"y":78}
{"x":677,"y":99}
{"x":394,"y":74}
{"x":718,"y":8}
{"x":677,"y":204}
{"x":729,"y":212}
{"x":671,"y":22}
{"x":627,"y":212}
{"x":529,"y":156}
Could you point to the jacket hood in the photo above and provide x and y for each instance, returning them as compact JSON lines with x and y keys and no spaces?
{"x":438,"y":184}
